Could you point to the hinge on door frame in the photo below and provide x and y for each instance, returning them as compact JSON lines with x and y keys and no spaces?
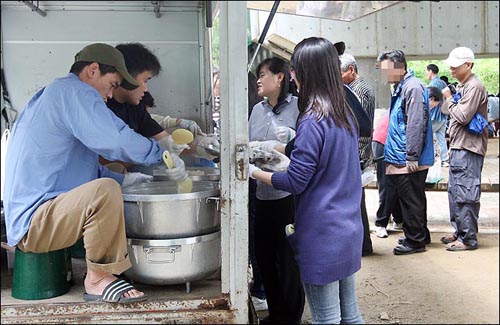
{"x":241,"y":159}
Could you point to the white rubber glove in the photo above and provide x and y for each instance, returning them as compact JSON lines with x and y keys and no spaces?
{"x":262,"y":149}
{"x":412,"y":166}
{"x":190,"y":125}
{"x":278,"y":164}
{"x":165,"y":121}
{"x":135,"y":177}
{"x":168,"y":144}
{"x":201,"y":142}
{"x":178,"y":173}
{"x":284,"y":133}
{"x":251,"y":169}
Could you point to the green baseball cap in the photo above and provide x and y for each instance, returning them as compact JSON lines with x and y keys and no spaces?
{"x":107,"y":54}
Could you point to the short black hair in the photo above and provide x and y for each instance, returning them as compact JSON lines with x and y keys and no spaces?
{"x":434,"y":68}
{"x":435,"y":93}
{"x":77,"y":67}
{"x":395,"y":56}
{"x":148,"y":99}
{"x":139,"y":59}
{"x":445,"y":79}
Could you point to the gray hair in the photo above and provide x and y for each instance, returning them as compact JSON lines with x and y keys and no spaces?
{"x":346,"y":60}
{"x":393,"y":56}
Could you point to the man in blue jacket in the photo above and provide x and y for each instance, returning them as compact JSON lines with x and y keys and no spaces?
{"x":409,"y":150}
{"x":55,"y":190}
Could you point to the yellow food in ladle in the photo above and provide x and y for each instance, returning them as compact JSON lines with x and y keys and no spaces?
{"x":182,"y":136}
{"x":185,"y":186}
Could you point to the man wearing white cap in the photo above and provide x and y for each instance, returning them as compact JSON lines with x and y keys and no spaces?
{"x":467,"y":150}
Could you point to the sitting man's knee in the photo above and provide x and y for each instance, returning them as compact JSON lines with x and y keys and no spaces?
{"x":108,"y":186}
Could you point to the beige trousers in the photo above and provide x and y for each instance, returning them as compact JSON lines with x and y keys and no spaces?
{"x":93,"y":210}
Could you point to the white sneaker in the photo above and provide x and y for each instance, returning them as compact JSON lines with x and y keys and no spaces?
{"x":397,"y":226}
{"x":259,"y":304}
{"x":381,"y":232}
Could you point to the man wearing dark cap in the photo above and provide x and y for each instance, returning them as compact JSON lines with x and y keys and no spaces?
{"x":56,"y":192}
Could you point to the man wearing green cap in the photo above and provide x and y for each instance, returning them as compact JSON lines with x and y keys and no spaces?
{"x":56,"y":192}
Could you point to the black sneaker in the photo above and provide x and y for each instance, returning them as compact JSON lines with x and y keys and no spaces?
{"x":405,"y":250}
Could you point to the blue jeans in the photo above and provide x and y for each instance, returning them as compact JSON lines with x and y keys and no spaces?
{"x":439,"y":129}
{"x":334,"y":303}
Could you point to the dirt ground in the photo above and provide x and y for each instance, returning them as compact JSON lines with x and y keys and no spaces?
{"x":434,"y":287}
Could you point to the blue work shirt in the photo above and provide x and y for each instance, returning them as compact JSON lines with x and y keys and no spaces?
{"x":55,"y":144}
{"x":436,"y":115}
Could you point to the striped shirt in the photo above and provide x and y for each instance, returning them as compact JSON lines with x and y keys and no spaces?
{"x":366,"y":97}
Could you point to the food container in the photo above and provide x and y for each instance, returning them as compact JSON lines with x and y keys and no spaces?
{"x":156,"y":211}
{"x":173,"y":261}
{"x":196,"y":173}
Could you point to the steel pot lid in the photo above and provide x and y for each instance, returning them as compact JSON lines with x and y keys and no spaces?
{"x":168,"y":191}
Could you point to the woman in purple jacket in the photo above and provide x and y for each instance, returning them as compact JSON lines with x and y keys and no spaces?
{"x":325,"y":178}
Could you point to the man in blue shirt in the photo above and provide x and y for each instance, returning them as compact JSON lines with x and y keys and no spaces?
{"x":439,"y":120}
{"x":55,"y":190}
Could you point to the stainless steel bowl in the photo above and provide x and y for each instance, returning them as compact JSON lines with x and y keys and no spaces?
{"x":156,"y":211}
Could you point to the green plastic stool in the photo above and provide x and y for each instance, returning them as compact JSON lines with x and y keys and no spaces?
{"x":77,"y":250}
{"x":41,"y":275}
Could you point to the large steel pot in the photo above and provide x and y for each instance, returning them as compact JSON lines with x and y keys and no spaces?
{"x":156,"y":211}
{"x":196,"y":173}
{"x":174,"y":261}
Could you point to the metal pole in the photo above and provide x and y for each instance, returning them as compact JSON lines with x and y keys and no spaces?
{"x":35,"y":8}
{"x":264,"y":33}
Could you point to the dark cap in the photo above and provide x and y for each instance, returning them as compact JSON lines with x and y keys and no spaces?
{"x":107,"y":54}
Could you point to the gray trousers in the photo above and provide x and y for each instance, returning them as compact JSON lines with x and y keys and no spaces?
{"x":464,"y":193}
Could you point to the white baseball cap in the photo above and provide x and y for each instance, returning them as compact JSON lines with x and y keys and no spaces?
{"x":459,"y":56}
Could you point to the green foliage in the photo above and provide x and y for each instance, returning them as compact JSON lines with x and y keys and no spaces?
{"x":215,"y":41}
{"x":487,"y":70}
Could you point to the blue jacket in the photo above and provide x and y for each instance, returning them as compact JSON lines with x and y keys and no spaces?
{"x":410,"y":129}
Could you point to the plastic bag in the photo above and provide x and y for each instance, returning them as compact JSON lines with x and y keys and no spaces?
{"x":367,"y":176}
{"x":477,"y":124}
{"x":434,"y":173}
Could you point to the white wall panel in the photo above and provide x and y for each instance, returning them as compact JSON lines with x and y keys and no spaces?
{"x":45,"y":47}
{"x":458,"y":24}
{"x":360,"y":38}
{"x":492,"y":27}
{"x":297,"y":27}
